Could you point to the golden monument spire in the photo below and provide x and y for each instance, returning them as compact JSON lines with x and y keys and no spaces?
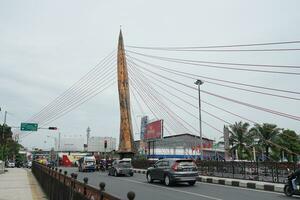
{"x":126,"y":145}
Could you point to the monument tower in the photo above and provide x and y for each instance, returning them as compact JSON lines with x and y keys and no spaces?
{"x":126,"y":144}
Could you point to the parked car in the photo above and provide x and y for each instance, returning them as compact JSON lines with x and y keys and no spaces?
{"x":87,"y":163}
{"x":29,"y":164}
{"x":121,"y":167}
{"x":10,"y":164}
{"x":171,"y":171}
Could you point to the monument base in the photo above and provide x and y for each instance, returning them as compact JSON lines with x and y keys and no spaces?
{"x":126,"y":155}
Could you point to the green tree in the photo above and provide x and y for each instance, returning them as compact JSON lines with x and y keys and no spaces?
{"x":290,"y":142}
{"x":267,"y":135}
{"x":240,"y":140}
{"x":8,"y":147}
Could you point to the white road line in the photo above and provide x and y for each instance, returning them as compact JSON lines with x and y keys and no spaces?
{"x":239,"y":188}
{"x":172,"y":189}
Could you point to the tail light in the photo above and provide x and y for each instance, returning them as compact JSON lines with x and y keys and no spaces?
{"x":175,"y":166}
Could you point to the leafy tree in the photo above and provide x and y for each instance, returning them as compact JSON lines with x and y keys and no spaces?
{"x":267,"y":135}
{"x":240,"y":140}
{"x":290,"y":142}
{"x":8,"y":147}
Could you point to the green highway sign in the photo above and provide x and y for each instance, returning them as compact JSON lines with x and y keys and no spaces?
{"x":29,"y":126}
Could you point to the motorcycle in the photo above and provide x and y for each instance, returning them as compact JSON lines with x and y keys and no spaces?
{"x":288,"y":187}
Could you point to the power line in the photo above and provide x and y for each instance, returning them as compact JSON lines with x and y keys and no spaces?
{"x":141,"y":75}
{"x":80,"y":94}
{"x":186,"y":101}
{"x":192,"y":76}
{"x":235,"y":101}
{"x":161,"y":106}
{"x":220,"y":80}
{"x":222,"y":46}
{"x":193,"y":62}
{"x":195,"y":115}
{"x":76,"y":83}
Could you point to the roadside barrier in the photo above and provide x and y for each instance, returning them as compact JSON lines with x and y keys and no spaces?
{"x":265,"y":171}
{"x":2,"y":167}
{"x":59,"y":186}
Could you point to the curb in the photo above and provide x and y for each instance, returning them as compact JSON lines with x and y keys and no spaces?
{"x":257,"y":185}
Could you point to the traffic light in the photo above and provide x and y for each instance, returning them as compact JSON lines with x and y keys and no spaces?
{"x":105,"y":144}
{"x":52,"y":128}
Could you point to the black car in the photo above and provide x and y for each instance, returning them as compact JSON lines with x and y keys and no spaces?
{"x":171,"y":171}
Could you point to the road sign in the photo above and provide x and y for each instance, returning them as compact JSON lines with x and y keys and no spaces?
{"x":29,"y":126}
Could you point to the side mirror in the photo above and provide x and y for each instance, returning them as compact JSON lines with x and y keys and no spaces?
{"x":154,"y":165}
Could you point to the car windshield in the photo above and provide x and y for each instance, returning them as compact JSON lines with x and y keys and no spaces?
{"x":125,"y":163}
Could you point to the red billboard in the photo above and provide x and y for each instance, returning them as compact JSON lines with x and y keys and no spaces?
{"x":154,"y":130}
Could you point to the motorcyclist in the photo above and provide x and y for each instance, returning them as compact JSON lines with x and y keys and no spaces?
{"x":296,"y":179}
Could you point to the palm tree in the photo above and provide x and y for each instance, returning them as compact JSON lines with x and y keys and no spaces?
{"x":240,"y":140}
{"x":267,"y":135}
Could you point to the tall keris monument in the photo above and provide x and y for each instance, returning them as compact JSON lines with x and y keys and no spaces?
{"x":126,"y":145}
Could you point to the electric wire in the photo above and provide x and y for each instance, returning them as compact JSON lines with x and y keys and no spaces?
{"x":192,"y":76}
{"x":221,"y":46}
{"x":233,"y":100}
{"x":78,"y":95}
{"x":161,"y":109}
{"x":221,"y":80}
{"x":194,"y":63}
{"x":167,"y":91}
{"x":73,"y":94}
{"x":76,"y":83}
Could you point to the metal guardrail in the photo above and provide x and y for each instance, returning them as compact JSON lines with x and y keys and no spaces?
{"x":2,"y":167}
{"x":275,"y":172}
{"x":60,"y":186}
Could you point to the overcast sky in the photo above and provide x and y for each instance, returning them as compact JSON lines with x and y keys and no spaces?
{"x":46,"y":46}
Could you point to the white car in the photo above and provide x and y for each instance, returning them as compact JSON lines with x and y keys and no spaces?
{"x":29,"y":164}
{"x":10,"y":164}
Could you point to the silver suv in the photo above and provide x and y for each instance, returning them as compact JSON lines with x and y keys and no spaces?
{"x":171,"y":171}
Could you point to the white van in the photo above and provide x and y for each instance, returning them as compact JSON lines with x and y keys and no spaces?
{"x":87,"y":163}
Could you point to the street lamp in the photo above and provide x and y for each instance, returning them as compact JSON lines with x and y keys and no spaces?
{"x":199,"y":82}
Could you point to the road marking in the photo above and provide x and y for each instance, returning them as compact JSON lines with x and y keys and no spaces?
{"x":240,"y":188}
{"x":172,"y":189}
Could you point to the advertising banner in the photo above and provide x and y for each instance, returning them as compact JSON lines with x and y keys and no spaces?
{"x":144,"y":121}
{"x":154,"y":130}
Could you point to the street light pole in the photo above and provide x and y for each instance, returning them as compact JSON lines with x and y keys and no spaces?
{"x":199,"y":82}
{"x":3,"y":138}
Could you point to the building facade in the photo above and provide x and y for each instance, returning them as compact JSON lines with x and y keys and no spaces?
{"x":179,"y":146}
{"x":97,"y":144}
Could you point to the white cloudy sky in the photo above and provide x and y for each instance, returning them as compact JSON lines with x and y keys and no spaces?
{"x":46,"y":46}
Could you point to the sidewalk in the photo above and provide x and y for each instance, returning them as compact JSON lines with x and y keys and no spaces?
{"x":19,"y":184}
{"x":259,"y":185}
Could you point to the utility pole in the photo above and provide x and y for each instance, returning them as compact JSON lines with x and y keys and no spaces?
{"x":199,"y":82}
{"x":88,"y":131}
{"x":3,"y":140}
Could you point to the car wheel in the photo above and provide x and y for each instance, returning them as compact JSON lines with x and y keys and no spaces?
{"x":168,"y":181}
{"x":131,"y":174}
{"x":149,"y":178}
{"x":116,"y":173}
{"x":192,"y":182}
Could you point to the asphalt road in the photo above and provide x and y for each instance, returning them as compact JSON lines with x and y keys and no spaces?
{"x":119,"y":186}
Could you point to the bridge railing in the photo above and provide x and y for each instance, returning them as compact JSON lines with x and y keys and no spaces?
{"x":59,"y":186}
{"x":275,"y":172}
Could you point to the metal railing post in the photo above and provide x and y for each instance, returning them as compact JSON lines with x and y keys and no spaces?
{"x":85,"y":180}
{"x":102,"y":189}
{"x":130,"y":195}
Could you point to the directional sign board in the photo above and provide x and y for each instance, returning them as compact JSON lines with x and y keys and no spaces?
{"x":29,"y":126}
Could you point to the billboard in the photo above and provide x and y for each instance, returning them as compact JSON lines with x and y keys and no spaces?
{"x":154,"y":130}
{"x":144,"y":122}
